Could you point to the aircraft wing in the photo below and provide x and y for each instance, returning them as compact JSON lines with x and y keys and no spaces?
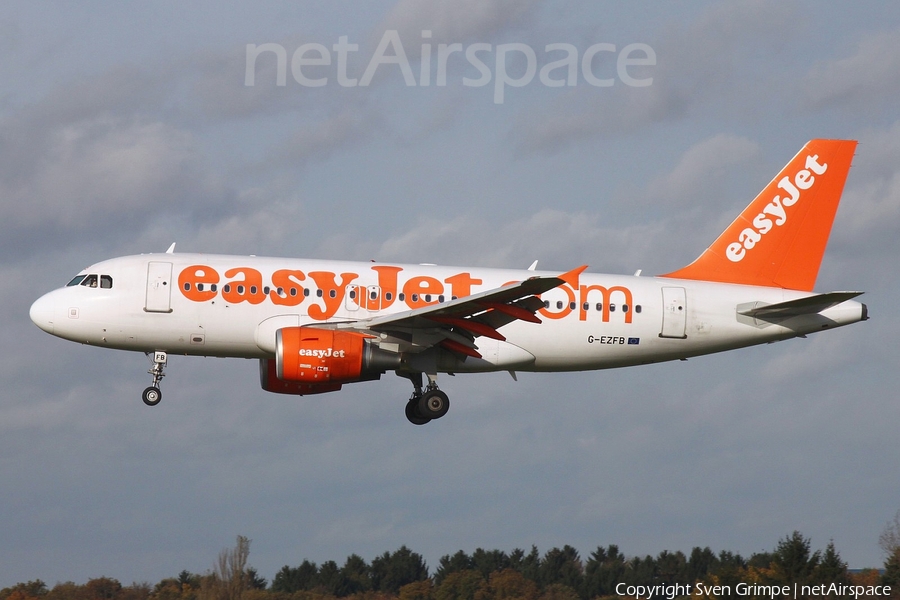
{"x":455,"y":324}
{"x":793,"y":308}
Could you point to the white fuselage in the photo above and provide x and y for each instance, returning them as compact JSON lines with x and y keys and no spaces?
{"x":213,"y":305}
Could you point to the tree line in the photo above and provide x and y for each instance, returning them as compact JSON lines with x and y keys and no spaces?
{"x":558,"y":574}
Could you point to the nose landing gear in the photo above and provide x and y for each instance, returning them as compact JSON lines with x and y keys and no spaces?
{"x":152,"y":395}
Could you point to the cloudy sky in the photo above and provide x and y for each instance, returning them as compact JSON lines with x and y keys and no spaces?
{"x":125,"y":127}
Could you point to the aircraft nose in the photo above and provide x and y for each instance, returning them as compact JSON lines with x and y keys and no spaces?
{"x":42,"y":313}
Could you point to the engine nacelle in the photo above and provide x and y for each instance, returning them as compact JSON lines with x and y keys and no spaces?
{"x":325,"y":356}
{"x":268,"y":380}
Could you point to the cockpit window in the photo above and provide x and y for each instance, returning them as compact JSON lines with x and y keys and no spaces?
{"x":105,"y":281}
{"x":90,"y":281}
{"x":76,"y":280}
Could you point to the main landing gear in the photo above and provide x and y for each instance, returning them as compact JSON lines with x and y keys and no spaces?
{"x":152,"y":395}
{"x":425,"y":406}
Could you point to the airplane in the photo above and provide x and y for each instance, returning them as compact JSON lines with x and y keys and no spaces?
{"x":316,"y":325}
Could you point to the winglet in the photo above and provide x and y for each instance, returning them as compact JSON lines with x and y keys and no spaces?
{"x":779,"y":239}
{"x":571,"y":277}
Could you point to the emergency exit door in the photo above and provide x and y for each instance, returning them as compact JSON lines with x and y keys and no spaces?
{"x":674,"y":321}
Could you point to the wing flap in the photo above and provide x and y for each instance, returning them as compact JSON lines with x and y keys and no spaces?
{"x":455,"y":325}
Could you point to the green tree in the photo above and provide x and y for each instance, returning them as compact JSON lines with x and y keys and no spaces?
{"x":603,"y":570}
{"x":831,"y":569}
{"x":489,"y":561}
{"x":529,"y":565}
{"x":792,"y":560}
{"x":255,"y":581}
{"x":290,"y":580}
{"x":329,"y":579}
{"x":562,"y":566}
{"x":391,"y":571}
{"x":701,"y":562}
{"x":452,"y":564}
{"x":671,"y":567}
{"x":891,"y":575}
{"x":354,"y":576}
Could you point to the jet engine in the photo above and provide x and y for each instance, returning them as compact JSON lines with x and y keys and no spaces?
{"x":310,"y":360}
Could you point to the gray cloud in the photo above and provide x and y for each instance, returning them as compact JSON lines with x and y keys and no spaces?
{"x":869,"y":77}
{"x":699,"y":67}
{"x":696,"y":178}
{"x":455,"y":21}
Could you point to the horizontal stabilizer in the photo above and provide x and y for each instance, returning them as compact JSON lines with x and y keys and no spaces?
{"x":810,"y":305}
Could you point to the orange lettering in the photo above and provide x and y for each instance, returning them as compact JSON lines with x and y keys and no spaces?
{"x":193,"y":282}
{"x":461,"y":285}
{"x":387,"y":283}
{"x":333,"y":293}
{"x":289,"y":282}
{"x":417,"y":288}
{"x":248,"y":289}
{"x":566,"y":309}
{"x":606,"y":297}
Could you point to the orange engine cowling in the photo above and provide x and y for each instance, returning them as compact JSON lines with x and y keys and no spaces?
{"x":325,"y":356}
{"x":269,"y":381}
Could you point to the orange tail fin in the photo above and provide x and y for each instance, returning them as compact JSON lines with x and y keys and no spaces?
{"x":779,"y":239}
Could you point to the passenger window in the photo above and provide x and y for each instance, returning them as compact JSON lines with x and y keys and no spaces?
{"x":637,"y":308}
{"x":353,"y":294}
{"x":624,"y":308}
{"x":76,"y":280}
{"x":599,"y":306}
{"x":332,"y":293}
{"x":612,"y":308}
